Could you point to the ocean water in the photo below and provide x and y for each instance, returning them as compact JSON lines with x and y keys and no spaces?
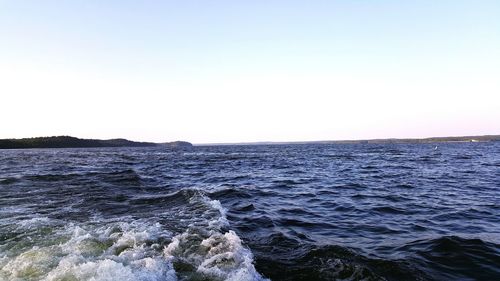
{"x":277,"y":212}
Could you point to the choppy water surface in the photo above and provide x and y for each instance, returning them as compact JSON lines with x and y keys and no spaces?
{"x":283,"y":212}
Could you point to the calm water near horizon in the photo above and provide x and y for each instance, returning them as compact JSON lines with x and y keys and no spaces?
{"x":257,"y":212}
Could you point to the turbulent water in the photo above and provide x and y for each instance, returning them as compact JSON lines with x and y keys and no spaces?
{"x":279,"y":212}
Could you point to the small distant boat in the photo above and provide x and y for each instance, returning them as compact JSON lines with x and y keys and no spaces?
{"x":435,"y":148}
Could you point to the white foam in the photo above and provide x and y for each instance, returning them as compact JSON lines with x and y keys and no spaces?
{"x":103,"y":270}
{"x":118,"y":252}
{"x":104,"y":249}
{"x":221,"y":221}
{"x":212,"y":253}
{"x":228,"y":259}
{"x":34,"y":222}
{"x":31,"y":264}
{"x":219,"y":256}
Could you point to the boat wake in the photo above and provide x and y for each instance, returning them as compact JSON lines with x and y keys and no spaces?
{"x":129,"y":248}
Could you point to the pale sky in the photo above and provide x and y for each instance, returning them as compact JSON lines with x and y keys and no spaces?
{"x":240,"y":71}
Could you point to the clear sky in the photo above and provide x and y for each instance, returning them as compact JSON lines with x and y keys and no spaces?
{"x":231,"y":71}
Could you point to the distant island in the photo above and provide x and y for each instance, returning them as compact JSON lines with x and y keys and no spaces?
{"x":72,"y":142}
{"x":484,"y":138}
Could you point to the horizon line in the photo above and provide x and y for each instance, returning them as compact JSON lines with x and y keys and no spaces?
{"x":343,"y":140}
{"x":263,"y":142}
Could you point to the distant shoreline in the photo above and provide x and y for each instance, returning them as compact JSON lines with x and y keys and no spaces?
{"x":482,"y":138}
{"x":72,"y":142}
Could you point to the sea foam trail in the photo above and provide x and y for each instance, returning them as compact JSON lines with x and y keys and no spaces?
{"x":210,"y":252}
{"x":121,"y":251}
{"x":132,"y":250}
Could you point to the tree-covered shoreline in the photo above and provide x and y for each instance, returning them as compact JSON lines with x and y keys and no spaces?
{"x":73,"y":142}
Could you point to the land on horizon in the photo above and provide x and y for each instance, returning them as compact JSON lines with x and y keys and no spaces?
{"x":477,"y":138}
{"x":73,"y":142}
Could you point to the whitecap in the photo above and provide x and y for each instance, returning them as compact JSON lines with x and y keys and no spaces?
{"x":134,"y":249}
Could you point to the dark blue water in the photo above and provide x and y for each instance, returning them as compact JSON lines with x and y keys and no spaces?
{"x":282,"y":212}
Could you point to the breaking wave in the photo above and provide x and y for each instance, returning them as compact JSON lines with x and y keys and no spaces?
{"x":130,"y":249}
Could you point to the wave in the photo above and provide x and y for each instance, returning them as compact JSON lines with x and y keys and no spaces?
{"x":125,"y":248}
{"x":214,"y":255}
{"x":125,"y":251}
{"x":455,"y":258}
{"x":284,"y":256}
{"x":120,"y":176}
{"x":290,"y":259}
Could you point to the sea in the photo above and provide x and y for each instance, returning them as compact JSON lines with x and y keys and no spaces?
{"x":252,"y":212}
